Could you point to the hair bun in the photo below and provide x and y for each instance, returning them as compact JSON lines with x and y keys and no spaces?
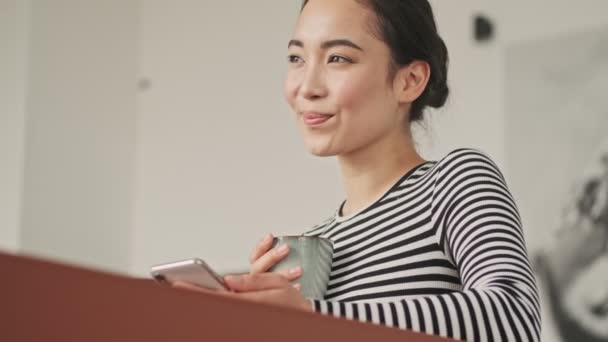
{"x":438,"y":96}
{"x":438,"y":87}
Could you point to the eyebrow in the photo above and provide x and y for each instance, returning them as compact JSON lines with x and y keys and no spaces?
{"x":327,"y":44}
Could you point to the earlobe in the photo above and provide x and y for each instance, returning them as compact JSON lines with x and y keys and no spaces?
{"x":413,"y":79}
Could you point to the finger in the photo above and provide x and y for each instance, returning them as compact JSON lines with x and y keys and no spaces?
{"x":258,"y":296}
{"x":262,"y":247}
{"x":276,"y":297}
{"x":292,"y":274}
{"x":256,"y":282}
{"x":269,"y":259}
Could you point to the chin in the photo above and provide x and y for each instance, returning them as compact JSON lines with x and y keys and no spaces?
{"x":321,"y":152}
{"x":319,"y":145}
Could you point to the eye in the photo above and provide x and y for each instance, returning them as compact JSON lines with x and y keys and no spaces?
{"x":293,"y":59}
{"x":339,"y":59}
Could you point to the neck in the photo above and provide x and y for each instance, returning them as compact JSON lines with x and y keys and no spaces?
{"x":369,"y":172}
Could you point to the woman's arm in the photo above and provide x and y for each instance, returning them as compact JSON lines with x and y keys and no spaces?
{"x":479,"y":228}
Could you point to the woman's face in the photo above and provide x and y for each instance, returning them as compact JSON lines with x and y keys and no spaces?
{"x":337,"y":81}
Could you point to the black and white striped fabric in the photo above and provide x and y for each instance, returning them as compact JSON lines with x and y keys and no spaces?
{"x":442,"y":252}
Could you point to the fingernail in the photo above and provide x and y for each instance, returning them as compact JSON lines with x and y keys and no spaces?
{"x":298,"y":287}
{"x":282,"y":249}
{"x":267,"y":238}
{"x":295,"y":271}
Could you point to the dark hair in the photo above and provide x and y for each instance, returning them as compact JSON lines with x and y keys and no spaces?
{"x":408,"y":28}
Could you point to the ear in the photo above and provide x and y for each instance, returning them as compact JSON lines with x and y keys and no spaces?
{"x":411,"y":80}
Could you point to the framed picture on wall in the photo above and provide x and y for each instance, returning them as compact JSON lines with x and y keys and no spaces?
{"x":557,"y":159}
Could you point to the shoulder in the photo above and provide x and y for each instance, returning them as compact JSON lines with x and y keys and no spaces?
{"x":467,"y":155}
{"x":467,"y":161}
{"x":467,"y":171}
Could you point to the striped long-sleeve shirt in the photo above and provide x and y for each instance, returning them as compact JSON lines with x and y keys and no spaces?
{"x":442,"y":252}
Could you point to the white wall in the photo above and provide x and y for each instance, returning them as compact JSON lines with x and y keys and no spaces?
{"x":219,"y":160}
{"x":14,"y":23}
{"x":80,"y":132}
{"x":475,"y":115}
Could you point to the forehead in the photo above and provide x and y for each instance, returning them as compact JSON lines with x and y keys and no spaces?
{"x":329,"y":19}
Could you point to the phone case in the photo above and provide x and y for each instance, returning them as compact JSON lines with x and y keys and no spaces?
{"x":193,"y":271}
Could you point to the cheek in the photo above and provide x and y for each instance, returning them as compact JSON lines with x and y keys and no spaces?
{"x":359,"y":93}
{"x":349,"y":95}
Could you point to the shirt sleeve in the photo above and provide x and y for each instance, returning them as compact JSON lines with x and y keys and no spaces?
{"x":479,"y":229}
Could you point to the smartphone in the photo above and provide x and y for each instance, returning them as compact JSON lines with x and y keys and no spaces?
{"x":193,"y":271}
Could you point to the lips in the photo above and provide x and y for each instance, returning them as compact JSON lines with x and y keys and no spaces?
{"x":315,"y":118}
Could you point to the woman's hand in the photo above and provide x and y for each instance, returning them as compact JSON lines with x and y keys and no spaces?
{"x":260,"y":285}
{"x":268,"y":288}
{"x":263,"y":258}
{"x":271,"y":288}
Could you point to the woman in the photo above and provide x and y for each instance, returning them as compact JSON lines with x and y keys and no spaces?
{"x":435,"y":247}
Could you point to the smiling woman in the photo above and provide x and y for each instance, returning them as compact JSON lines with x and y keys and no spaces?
{"x":432,"y":246}
{"x":346,"y":62}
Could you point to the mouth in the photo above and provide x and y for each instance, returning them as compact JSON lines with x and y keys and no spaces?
{"x":315,"y":119}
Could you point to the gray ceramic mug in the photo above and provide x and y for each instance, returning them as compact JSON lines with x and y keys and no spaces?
{"x":314,"y":254}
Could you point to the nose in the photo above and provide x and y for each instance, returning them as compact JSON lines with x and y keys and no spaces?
{"x":313,"y":85}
